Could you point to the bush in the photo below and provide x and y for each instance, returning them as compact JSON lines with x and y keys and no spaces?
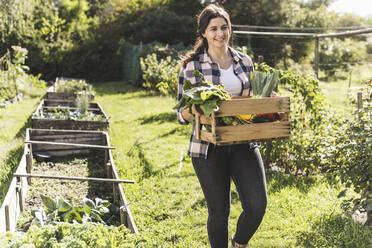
{"x":160,"y":75}
{"x":72,"y":235}
{"x":337,"y":54}
{"x":13,"y":76}
{"x":310,"y":122}
{"x":351,"y":157}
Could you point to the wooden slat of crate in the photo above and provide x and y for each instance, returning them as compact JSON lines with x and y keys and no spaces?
{"x":247,"y":133}
{"x":245,"y":106}
{"x":254,"y":131}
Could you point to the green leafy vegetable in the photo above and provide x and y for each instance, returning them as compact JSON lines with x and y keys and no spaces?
{"x":61,"y":210}
{"x":207,"y":96}
{"x":264,"y":83}
{"x":204,"y":94}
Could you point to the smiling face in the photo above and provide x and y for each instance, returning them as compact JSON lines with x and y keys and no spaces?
{"x":217,"y":33}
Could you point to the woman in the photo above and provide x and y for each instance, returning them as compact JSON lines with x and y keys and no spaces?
{"x":215,"y":166}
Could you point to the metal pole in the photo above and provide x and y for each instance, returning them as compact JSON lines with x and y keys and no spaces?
{"x":316,"y":57}
{"x":74,"y":178}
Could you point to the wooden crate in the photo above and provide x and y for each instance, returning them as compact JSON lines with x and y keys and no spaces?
{"x":227,"y":135}
{"x":39,"y":121}
{"x":61,"y":144}
{"x":53,"y":94}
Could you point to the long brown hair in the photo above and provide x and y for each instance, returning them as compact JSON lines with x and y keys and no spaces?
{"x":205,"y":16}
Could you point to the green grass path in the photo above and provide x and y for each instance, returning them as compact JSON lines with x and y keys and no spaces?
{"x":14,"y":119}
{"x":167,"y":202}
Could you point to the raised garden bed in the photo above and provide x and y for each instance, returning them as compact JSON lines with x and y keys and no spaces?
{"x":67,"y":164}
{"x":64,"y":114}
{"x":68,"y":89}
{"x":227,"y":135}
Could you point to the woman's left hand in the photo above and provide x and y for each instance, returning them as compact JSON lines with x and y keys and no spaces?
{"x":273,"y":94}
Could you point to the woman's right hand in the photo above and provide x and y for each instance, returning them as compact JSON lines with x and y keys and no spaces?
{"x":194,"y":110}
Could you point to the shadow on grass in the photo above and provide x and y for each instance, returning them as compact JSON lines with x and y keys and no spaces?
{"x":121,"y":87}
{"x":199,"y":204}
{"x":335,"y":230}
{"x":21,"y":134}
{"x":180,"y":130}
{"x":276,"y":181}
{"x":11,"y":162}
{"x":137,"y":152}
{"x":159,"y":118}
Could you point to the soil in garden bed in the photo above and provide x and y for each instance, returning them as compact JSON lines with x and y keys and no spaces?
{"x":91,"y":165}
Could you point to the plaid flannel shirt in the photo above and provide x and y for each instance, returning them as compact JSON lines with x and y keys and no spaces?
{"x":242,"y":66}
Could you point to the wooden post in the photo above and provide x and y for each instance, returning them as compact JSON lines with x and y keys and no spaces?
{"x":115,"y":192}
{"x":106,"y":157}
{"x":7,"y":219}
{"x":213,"y":124}
{"x":350,"y":78}
{"x":109,"y":170}
{"x":359,"y":102}
{"x":20,"y":193}
{"x":316,"y":57}
{"x":197,"y":122}
{"x":28,"y":166}
{"x":123,"y":216}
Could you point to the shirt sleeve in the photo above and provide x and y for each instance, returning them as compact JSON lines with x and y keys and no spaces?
{"x":249,"y":70}
{"x":181,"y":81}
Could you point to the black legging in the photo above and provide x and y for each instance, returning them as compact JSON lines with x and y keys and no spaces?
{"x":245,"y":167}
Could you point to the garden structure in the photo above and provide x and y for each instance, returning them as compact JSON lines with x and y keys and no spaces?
{"x":266,"y":129}
{"x":66,"y":114}
{"x":80,"y":164}
{"x":68,"y":89}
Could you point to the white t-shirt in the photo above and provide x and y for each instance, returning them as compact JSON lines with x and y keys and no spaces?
{"x":231,"y":81}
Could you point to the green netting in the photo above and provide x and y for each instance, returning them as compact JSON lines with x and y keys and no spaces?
{"x":131,"y":66}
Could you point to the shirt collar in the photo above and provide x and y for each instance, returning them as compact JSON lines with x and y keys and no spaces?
{"x":204,"y":57}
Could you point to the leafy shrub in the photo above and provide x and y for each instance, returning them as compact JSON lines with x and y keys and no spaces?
{"x":369,"y":46}
{"x":71,"y":235}
{"x":73,"y":86}
{"x":161,"y":51}
{"x":59,"y":209}
{"x":160,"y":75}
{"x":336,"y":54}
{"x":310,"y":122}
{"x":351,"y":156}
{"x":13,"y":76}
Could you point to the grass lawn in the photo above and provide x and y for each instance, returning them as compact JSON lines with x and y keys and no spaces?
{"x":167,"y":202}
{"x":14,"y":119}
{"x":339,"y":92}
